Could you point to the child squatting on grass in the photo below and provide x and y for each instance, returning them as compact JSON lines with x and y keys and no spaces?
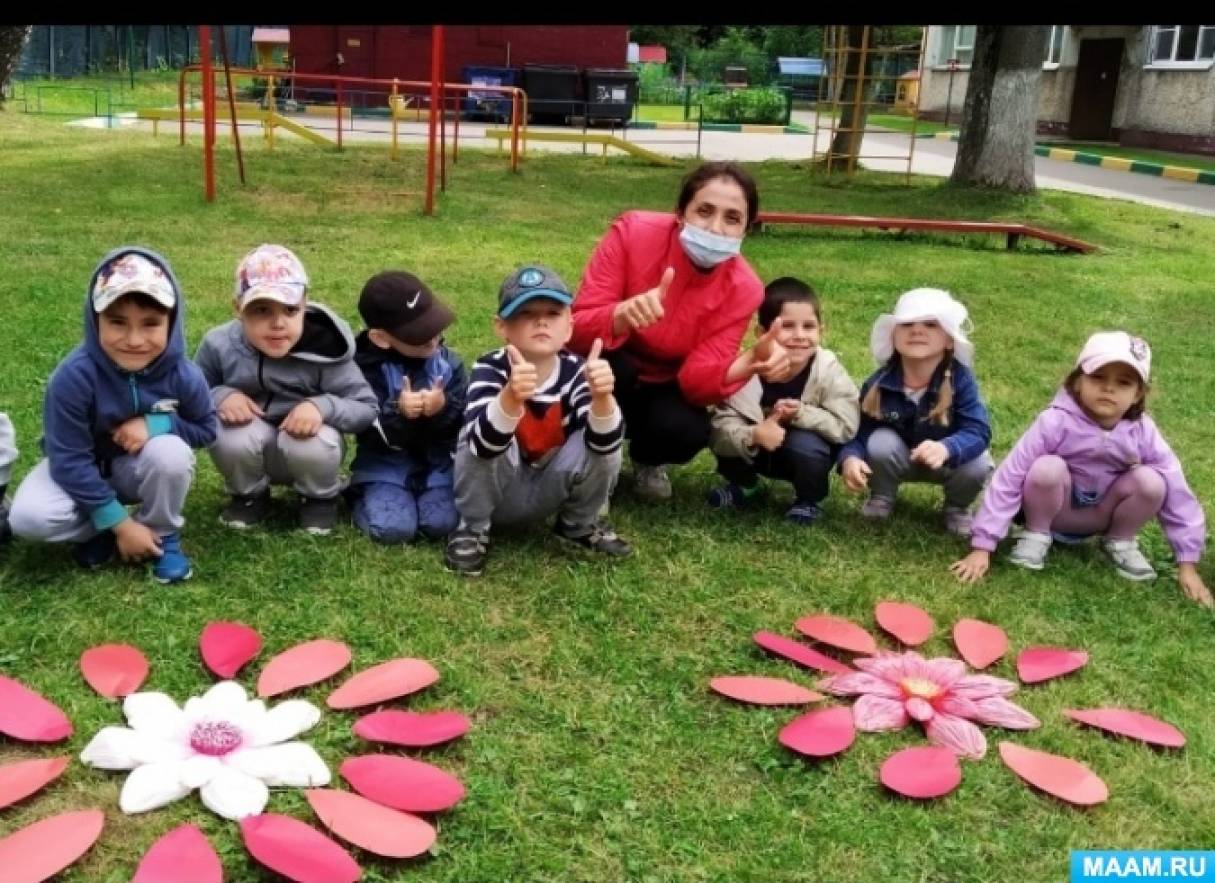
{"x":284,"y":382}
{"x":921,"y":415}
{"x":121,"y":414}
{"x":786,"y":429}
{"x":1093,"y":463}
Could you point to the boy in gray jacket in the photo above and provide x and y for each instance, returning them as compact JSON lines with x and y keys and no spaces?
{"x":285,"y":385}
{"x":789,"y":430}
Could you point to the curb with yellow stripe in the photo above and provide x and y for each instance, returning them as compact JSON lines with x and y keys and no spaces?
{"x":747,"y":128}
{"x":1117,"y":163}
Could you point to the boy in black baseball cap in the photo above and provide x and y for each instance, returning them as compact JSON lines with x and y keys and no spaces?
{"x":402,"y":474}
{"x":542,"y":431}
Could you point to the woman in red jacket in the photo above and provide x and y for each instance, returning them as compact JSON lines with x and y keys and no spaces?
{"x":671,"y":297}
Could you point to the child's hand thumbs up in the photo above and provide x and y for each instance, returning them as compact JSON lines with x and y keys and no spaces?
{"x":410,"y":403}
{"x":434,"y":399}
{"x":599,"y":376}
{"x":521,"y":384}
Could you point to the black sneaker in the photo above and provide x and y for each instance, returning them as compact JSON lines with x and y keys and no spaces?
{"x":6,"y":532}
{"x":244,"y":511}
{"x":598,"y":537}
{"x":96,"y":552}
{"x":466,"y":551}
{"x":318,"y":516}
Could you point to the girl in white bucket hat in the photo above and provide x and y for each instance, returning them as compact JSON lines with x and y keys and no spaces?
{"x":922,"y":418}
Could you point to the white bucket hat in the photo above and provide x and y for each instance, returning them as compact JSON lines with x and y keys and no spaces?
{"x":916,"y":306}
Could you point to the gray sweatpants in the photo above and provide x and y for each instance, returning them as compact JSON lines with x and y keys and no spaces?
{"x":575,"y":483}
{"x":253,"y":456}
{"x":8,"y":448}
{"x":889,"y":459}
{"x":157,"y":478}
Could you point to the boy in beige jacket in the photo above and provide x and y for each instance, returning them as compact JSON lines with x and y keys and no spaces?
{"x":789,"y":430}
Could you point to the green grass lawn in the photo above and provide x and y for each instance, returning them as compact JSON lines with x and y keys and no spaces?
{"x":1162,"y":157}
{"x":597,"y":752}
{"x":664,"y":113}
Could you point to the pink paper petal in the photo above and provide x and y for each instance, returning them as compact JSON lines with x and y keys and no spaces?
{"x":798,"y":652}
{"x":402,"y":783}
{"x":1133,"y":724}
{"x":837,"y":632}
{"x":114,"y":670}
{"x":302,"y":665}
{"x":908,"y":623}
{"x":388,"y":680}
{"x":19,"y":780}
{"x":371,"y":826}
{"x":227,"y":646}
{"x":1062,"y":777}
{"x":25,"y":715}
{"x":412,"y":729}
{"x":1043,"y":663}
{"x":43,"y":849}
{"x":764,"y":691}
{"x":956,"y":734}
{"x":980,"y":643}
{"x":874,"y":714}
{"x":820,"y":733}
{"x":921,"y":773}
{"x":297,"y":851}
{"x":182,"y":854}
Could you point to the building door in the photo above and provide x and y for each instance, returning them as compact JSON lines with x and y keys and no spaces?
{"x":1095,"y":90}
{"x":356,"y":51}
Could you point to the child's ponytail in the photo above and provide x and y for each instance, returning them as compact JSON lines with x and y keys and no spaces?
{"x":871,"y":406}
{"x":940,"y":411}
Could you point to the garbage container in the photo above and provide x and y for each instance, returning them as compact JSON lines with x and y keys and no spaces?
{"x":610,"y":94}
{"x":491,"y":104}
{"x":552,"y":90}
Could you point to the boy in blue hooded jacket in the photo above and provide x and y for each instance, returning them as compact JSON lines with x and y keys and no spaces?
{"x":120,"y":417}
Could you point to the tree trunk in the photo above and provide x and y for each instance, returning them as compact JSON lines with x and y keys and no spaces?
{"x":12,"y":41}
{"x":846,"y":145}
{"x":1000,"y":116}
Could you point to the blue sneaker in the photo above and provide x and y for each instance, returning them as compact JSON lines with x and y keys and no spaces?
{"x":96,"y":552}
{"x":172,"y":566}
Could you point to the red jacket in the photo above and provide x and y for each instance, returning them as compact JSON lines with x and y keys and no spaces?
{"x":706,"y":313}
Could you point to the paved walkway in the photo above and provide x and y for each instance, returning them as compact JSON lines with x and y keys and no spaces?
{"x":932,"y":157}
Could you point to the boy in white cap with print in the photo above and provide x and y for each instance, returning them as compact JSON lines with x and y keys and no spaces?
{"x":285,"y":385}
{"x":1094,"y":463}
{"x":120,"y":417}
{"x":922,"y":418}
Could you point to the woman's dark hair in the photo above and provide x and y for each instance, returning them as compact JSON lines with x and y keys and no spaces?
{"x":786,"y":290}
{"x":710,"y":170}
{"x":1072,"y":384}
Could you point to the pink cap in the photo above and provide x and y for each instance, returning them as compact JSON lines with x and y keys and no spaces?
{"x":1116,"y":346}
{"x":272,"y":272}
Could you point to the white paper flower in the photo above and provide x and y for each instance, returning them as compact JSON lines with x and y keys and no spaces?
{"x":228,"y":746}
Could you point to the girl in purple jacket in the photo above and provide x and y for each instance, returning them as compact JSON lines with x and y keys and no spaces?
{"x":1094,"y":463}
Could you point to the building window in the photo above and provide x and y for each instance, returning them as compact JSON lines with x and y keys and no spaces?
{"x":958,"y":42}
{"x":1182,"y":46}
{"x":1054,"y":48}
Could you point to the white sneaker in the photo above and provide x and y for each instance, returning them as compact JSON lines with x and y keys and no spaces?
{"x":652,"y":482}
{"x":1129,"y":561}
{"x":1030,"y":550}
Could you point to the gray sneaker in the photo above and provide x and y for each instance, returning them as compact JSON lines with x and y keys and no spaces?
{"x":1030,"y":550}
{"x":1129,"y":561}
{"x":652,"y":482}
{"x":877,"y":507}
{"x":958,"y":521}
{"x":318,"y":516}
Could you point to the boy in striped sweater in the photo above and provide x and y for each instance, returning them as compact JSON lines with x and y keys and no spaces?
{"x":542,"y":431}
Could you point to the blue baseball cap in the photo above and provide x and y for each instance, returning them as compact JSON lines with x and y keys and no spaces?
{"x":528,"y":283}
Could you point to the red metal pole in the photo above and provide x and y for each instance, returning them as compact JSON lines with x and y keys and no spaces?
{"x":204,"y":47}
{"x":443,"y":141}
{"x":436,"y":74}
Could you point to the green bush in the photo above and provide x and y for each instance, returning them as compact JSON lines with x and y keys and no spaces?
{"x":745,"y":106}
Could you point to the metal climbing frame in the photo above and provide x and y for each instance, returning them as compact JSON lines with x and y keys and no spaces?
{"x":877,"y":66}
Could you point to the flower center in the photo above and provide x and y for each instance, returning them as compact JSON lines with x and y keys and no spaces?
{"x":921,"y":688}
{"x":215,"y":738}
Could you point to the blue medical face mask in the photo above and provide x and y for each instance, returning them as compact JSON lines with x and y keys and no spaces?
{"x":707,"y":249}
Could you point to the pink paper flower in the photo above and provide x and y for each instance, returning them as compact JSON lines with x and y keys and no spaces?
{"x":895,"y":688}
